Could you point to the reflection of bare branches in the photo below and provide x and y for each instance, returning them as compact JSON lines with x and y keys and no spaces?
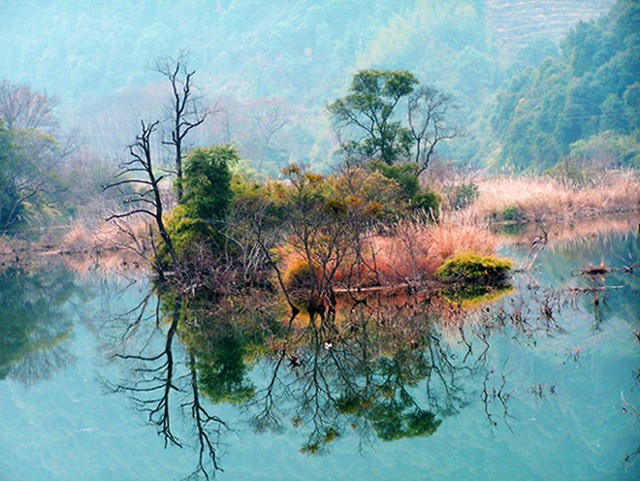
{"x":629,"y":408}
{"x":202,"y":420}
{"x":157,"y":381}
{"x":492,"y":393}
{"x":446,"y":373}
{"x":152,"y":391}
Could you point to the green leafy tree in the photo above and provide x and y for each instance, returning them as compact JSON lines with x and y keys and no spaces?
{"x":33,"y":322}
{"x":8,"y":192}
{"x":199,"y":218}
{"x":371,"y":107}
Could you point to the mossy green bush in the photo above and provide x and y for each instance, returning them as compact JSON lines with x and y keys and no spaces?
{"x":468,"y":276}
{"x":428,"y":201}
{"x":512,"y":213}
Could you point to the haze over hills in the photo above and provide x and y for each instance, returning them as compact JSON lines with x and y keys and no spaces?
{"x":299,"y":55}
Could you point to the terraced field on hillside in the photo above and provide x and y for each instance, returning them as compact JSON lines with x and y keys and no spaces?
{"x":516,"y":22}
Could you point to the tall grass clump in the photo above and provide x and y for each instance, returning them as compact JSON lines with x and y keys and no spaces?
{"x":460,"y":231}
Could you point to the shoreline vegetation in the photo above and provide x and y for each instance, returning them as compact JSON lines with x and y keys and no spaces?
{"x":403,"y":254}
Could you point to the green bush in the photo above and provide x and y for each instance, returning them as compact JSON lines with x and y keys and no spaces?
{"x":512,"y":213}
{"x":464,"y":194}
{"x":428,"y":201}
{"x":410,"y":191}
{"x":403,"y":174}
{"x":468,"y":276}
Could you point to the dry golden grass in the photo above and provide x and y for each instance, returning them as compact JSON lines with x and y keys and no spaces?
{"x":461,"y":231}
{"x":410,"y":254}
{"x":545,"y":197}
{"x":403,"y":257}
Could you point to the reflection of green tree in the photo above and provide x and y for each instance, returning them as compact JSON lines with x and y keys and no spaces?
{"x":222,"y":370}
{"x":380,"y":373}
{"x":32,"y":322}
{"x":222,"y":335}
{"x":392,"y":410}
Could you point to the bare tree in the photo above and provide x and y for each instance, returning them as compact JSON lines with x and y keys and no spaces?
{"x":22,"y":107}
{"x":426,"y":111}
{"x":138,"y":171}
{"x":185,"y":114}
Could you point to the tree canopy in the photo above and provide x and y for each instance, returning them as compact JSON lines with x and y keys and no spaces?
{"x":386,"y":128}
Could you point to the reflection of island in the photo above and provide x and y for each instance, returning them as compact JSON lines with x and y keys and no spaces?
{"x":32,"y":323}
{"x":382,"y":366}
{"x":376,"y":369}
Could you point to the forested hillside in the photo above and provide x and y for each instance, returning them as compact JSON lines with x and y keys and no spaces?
{"x":585,"y":103}
{"x":273,"y":62}
{"x":518,"y":22}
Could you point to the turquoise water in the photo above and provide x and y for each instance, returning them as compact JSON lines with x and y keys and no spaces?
{"x":546,"y":401}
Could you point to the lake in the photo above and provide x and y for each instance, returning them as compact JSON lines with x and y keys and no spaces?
{"x":100,"y":382}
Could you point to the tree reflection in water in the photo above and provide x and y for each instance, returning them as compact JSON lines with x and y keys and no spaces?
{"x":386,"y":366}
{"x":33,"y":324}
{"x":376,"y":368}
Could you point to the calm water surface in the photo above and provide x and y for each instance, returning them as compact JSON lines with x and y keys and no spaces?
{"x":547,"y":391}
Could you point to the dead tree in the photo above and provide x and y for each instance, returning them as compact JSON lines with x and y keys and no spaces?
{"x":158,"y":378}
{"x":145,"y":198}
{"x":184,"y":112}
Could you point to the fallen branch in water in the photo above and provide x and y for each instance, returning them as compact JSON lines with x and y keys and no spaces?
{"x":593,"y":289}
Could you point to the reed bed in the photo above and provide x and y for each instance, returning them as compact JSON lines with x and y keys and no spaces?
{"x":550,"y":198}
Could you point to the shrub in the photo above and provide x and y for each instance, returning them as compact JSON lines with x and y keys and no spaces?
{"x":428,"y":201}
{"x":300,"y":275}
{"x":512,"y":213}
{"x":403,"y":174}
{"x":464,"y":195}
{"x":468,"y":276}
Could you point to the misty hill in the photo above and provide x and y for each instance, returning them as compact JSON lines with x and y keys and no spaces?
{"x":297,"y":55}
{"x":584,"y":104}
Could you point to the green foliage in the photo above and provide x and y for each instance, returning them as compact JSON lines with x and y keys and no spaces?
{"x":512,"y":213}
{"x":222,"y":370}
{"x":207,"y":196}
{"x":590,"y":89}
{"x":31,"y":188}
{"x":608,"y":149}
{"x":403,"y":174}
{"x":427,"y":201}
{"x":391,"y":425}
{"x":409,"y":191}
{"x":8,"y":189}
{"x":464,"y":195}
{"x":370,"y":107}
{"x":32,"y":319}
{"x":468,"y":276}
{"x":207,"y":183}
